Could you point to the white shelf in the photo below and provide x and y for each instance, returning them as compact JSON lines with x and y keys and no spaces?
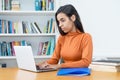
{"x":43,"y":56}
{"x":46,"y":13}
{"x":7,"y":57}
{"x":13,"y":57}
{"x":28,"y":13}
{"x":42,"y":34}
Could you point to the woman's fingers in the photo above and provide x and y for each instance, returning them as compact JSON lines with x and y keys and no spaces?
{"x":43,"y":65}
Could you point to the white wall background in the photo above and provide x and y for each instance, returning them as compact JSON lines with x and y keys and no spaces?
{"x":100,"y":18}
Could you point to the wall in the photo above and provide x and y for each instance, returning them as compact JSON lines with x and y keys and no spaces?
{"x":100,"y":18}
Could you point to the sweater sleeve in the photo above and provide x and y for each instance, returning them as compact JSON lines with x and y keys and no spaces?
{"x":87,"y":49}
{"x":56,"y":54}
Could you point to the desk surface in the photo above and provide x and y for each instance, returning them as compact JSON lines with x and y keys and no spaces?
{"x":17,"y":74}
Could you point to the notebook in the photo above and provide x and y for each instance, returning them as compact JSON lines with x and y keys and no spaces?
{"x":74,"y":72}
{"x":25,"y":59}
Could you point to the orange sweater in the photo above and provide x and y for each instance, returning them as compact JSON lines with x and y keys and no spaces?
{"x":75,"y":49}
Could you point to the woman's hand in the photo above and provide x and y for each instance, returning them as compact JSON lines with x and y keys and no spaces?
{"x":45,"y":65}
{"x":54,"y":66}
{"x":42,"y":65}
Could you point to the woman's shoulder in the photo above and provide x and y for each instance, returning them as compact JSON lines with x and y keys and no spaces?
{"x":87,"y":35}
{"x":61,"y":37}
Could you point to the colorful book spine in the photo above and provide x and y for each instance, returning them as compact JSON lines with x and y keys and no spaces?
{"x":0,"y":5}
{"x":44,"y":48}
{"x":40,"y":48}
{"x":0,"y":26}
{"x":38,"y":28}
{"x":9,"y":49}
{"x":20,"y":27}
{"x":48,"y":48}
{"x":40,"y":5}
{"x":50,"y":27}
{"x":44,"y":5}
{"x":10,"y":28}
{"x":0,"y":48}
{"x":4,"y":48}
{"x":37,"y":7}
{"x":15,"y":5}
{"x":3,"y":4}
{"x":52,"y":46}
{"x":35,"y":27}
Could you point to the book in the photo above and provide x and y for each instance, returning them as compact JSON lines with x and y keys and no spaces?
{"x":15,"y":5}
{"x":20,"y":27}
{"x":25,"y":30}
{"x":26,"y":27}
{"x":0,"y":48}
{"x":23,"y":43}
{"x":10,"y":27}
{"x":4,"y":48}
{"x":53,"y":27}
{"x":7,"y":4}
{"x":36,"y":5}
{"x":51,"y":4}
{"x":40,"y":48}
{"x":0,"y":5}
{"x":0,"y":26}
{"x":9,"y":49}
{"x":48,"y":48}
{"x":52,"y":46}
{"x":106,"y":65}
{"x":50,"y":25}
{"x":47,"y":27}
{"x":3,"y":4}
{"x":74,"y":71}
{"x":108,"y":68}
{"x":33,"y":29}
{"x":45,"y":45}
{"x":37,"y":27}
{"x":43,"y":5}
{"x":107,"y":62}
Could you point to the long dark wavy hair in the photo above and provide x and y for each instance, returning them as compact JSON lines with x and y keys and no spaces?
{"x":69,"y":10}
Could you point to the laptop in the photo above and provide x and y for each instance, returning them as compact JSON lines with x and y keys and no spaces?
{"x":25,"y":59}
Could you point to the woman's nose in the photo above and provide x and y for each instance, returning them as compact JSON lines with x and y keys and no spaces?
{"x":60,"y":24}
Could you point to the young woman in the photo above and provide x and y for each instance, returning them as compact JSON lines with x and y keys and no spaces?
{"x":74,"y":46}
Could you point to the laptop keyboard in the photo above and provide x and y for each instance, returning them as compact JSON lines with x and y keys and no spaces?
{"x":46,"y":69}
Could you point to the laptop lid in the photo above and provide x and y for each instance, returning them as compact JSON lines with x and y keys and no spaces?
{"x":25,"y":58}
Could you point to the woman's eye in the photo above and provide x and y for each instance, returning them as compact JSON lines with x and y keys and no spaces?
{"x":62,"y":20}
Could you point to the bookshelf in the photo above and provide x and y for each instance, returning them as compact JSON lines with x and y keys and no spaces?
{"x":13,"y":57}
{"x":28,"y":13}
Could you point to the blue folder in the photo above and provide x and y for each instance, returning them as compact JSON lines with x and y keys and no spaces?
{"x":74,"y":71}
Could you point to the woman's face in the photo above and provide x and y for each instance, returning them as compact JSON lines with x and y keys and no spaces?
{"x":65,"y":23}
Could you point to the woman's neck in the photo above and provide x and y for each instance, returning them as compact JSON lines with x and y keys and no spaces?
{"x":74,"y":29}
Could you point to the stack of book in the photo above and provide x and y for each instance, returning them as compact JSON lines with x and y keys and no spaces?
{"x":15,"y":5}
{"x":6,"y":48}
{"x":46,"y":48}
{"x":106,"y":65}
{"x":8,"y":26}
{"x":44,"y":5}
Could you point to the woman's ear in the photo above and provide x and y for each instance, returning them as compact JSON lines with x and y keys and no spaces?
{"x":73,"y":18}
